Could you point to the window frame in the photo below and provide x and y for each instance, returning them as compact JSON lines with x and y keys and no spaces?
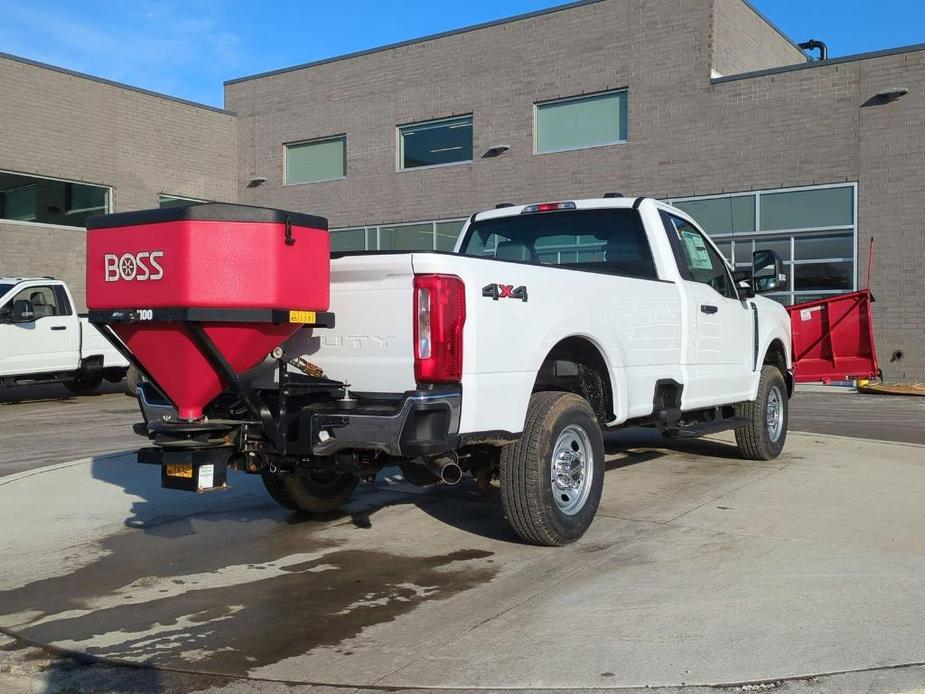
{"x":579,"y":97}
{"x":399,"y":148}
{"x":110,"y":195}
{"x":313,"y":141}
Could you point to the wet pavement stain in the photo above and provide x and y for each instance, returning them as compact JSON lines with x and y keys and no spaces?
{"x":300,"y":592}
{"x":234,"y":629}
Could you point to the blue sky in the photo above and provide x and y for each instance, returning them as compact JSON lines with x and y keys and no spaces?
{"x":188,"y":48}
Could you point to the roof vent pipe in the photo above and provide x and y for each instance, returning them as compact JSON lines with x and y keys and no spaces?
{"x":812,"y":45}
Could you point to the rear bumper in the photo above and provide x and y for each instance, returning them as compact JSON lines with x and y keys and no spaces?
{"x":411,"y":424}
{"x":422,"y":423}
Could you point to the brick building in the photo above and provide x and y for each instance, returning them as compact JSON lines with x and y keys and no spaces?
{"x":703,"y":102}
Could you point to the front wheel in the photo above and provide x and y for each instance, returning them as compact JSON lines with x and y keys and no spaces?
{"x":553,"y":476}
{"x":310,"y":492}
{"x":84,"y":383}
{"x":767,"y":415}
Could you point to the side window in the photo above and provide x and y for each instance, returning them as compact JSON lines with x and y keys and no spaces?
{"x":44,"y":301}
{"x":695,"y":255}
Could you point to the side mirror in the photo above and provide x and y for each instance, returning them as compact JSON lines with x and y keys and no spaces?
{"x":767,"y":272}
{"x":23,"y":312}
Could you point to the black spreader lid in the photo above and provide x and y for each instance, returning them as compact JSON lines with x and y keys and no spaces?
{"x":206,"y":212}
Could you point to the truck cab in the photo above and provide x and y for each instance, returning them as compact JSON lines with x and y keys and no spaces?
{"x":44,"y":340}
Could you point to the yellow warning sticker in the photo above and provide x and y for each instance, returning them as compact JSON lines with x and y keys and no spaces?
{"x":302,"y":316}
{"x":180,"y":470}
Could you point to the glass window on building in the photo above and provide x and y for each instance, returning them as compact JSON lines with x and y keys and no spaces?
{"x":164,"y":200}
{"x":726,"y":215}
{"x":826,"y":207}
{"x":448,"y":233}
{"x":315,"y":161}
{"x":435,"y":143}
{"x":579,"y":122}
{"x":50,"y":201}
{"x":344,"y":240}
{"x":812,"y":229}
{"x":407,"y":237}
{"x":438,"y":235}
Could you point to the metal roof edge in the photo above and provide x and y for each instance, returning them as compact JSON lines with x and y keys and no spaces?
{"x":410,"y":42}
{"x":819,"y":63}
{"x":112,"y":83}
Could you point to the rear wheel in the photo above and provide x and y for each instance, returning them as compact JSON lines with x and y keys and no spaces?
{"x":310,"y":492}
{"x":84,"y":383}
{"x":553,"y":476}
{"x":764,"y":436}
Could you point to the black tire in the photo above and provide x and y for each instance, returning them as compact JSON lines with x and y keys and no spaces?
{"x":114,"y":375}
{"x":133,"y":379}
{"x":309,"y":492}
{"x":528,"y":493}
{"x":84,"y":383}
{"x":759,"y":440}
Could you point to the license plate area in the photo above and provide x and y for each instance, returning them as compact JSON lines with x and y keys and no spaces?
{"x":190,"y":470}
{"x":183,"y":470}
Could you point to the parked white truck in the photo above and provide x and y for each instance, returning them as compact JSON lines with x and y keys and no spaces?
{"x":508,"y":358}
{"x":44,"y":340}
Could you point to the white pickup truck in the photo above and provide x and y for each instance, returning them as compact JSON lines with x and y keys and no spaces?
{"x":508,"y":358}
{"x":44,"y":340}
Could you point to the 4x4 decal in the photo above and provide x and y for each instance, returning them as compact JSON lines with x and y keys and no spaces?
{"x":504,"y":291}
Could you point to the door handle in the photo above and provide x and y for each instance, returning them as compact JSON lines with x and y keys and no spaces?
{"x":59,"y":327}
{"x":708,"y":308}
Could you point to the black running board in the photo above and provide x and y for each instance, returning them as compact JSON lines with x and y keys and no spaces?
{"x":703,"y":429}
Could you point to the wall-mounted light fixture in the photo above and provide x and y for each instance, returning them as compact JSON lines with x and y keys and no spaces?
{"x":495,"y":150}
{"x":892,"y":94}
{"x":255,"y":181}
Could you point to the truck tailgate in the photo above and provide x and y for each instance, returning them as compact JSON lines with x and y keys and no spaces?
{"x":371,"y":345}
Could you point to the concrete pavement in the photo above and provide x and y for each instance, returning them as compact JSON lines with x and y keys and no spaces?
{"x":864,"y":415}
{"x":700,"y":568}
{"x":44,"y":425}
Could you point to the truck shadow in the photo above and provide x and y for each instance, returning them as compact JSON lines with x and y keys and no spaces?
{"x":168,"y":513}
{"x":52,"y":392}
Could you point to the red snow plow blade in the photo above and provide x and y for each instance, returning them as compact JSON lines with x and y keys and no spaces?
{"x":833,"y":339}
{"x":201,"y":294}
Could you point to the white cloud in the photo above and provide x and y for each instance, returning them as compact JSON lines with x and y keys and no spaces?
{"x":178,"y":48}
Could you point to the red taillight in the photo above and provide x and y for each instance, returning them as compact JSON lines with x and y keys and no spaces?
{"x":439,"y":316}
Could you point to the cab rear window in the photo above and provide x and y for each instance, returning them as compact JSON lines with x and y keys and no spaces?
{"x":611,"y":240}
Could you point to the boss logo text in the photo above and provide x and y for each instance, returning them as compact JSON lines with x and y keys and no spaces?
{"x":133,"y":266}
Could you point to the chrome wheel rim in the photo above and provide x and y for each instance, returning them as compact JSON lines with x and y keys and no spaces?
{"x":775,"y":414}
{"x":572,"y":469}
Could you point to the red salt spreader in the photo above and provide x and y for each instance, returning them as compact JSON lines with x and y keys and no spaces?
{"x":196,"y":297}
